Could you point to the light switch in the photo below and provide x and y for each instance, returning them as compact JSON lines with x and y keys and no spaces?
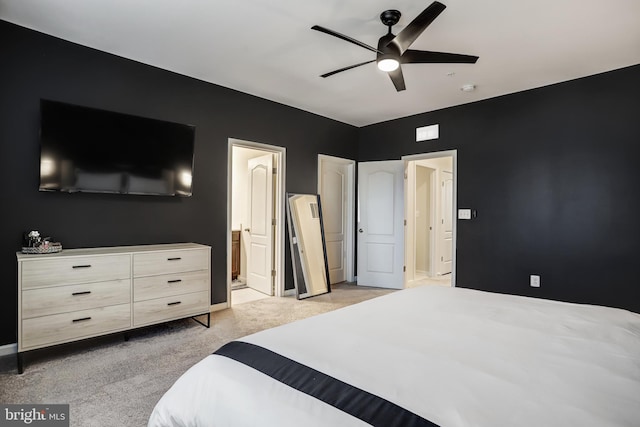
{"x":464,"y":213}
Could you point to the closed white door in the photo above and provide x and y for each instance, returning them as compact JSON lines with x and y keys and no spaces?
{"x":446,"y":255}
{"x":333,"y":199}
{"x":260,"y":209}
{"x":381,"y":224}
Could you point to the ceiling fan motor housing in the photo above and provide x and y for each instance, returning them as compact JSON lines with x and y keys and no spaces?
{"x":390,"y":17}
{"x":386,"y":49}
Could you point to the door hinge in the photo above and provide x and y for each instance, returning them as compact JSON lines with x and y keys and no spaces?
{"x":273,"y":221}
{"x":404,"y":268}
{"x":441,"y":258}
{"x":406,"y":176}
{"x":273,"y":273}
{"x":405,"y":222}
{"x":275,"y":170}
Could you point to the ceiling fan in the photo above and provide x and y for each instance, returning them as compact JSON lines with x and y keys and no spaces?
{"x":393,"y":50}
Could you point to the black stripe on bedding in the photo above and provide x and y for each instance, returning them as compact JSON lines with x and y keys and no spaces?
{"x":361,"y":404}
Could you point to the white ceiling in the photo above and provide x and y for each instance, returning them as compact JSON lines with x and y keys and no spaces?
{"x":266,"y":47}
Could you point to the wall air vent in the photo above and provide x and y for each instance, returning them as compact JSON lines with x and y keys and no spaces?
{"x":427,"y":133}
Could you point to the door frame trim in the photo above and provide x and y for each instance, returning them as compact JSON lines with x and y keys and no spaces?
{"x":280,"y":220}
{"x":351,"y":217}
{"x":435,"y":155}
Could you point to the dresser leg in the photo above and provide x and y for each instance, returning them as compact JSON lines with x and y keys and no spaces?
{"x":206,"y":325}
{"x":126,"y":336}
{"x":20,"y":363}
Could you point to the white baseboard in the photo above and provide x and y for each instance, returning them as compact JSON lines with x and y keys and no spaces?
{"x":8,"y":349}
{"x":219,"y":306}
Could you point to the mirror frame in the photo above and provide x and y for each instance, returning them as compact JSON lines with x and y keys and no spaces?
{"x":299,"y":273}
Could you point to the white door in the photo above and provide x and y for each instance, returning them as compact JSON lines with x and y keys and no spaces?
{"x":333,"y":199}
{"x":381,"y":224}
{"x":446,"y":222}
{"x":260,"y":209}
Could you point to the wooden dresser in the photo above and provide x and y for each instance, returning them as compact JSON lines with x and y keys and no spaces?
{"x":83,"y":293}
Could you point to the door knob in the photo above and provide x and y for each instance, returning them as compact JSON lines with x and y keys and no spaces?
{"x":247,"y":230}
{"x":361,"y":230}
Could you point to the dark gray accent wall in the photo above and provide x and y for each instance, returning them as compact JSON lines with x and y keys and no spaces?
{"x":554,"y":175}
{"x":37,"y":66}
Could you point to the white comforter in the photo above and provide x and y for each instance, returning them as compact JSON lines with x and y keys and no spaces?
{"x":456,"y":357}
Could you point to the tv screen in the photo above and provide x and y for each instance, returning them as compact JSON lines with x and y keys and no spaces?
{"x":90,"y":150}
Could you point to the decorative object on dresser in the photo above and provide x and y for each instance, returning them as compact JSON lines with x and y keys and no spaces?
{"x":83,"y":293}
{"x":33,"y":243}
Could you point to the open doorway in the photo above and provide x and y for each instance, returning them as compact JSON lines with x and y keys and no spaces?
{"x":336,"y":186}
{"x":386,"y":218}
{"x":429,"y":232}
{"x":255,"y":221}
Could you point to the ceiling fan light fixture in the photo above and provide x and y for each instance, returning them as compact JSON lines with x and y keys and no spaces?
{"x":388,"y":64}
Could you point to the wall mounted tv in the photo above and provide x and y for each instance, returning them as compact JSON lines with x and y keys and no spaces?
{"x":96,"y":151}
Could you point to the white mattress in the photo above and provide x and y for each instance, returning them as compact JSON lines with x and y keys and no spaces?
{"x":456,"y":357}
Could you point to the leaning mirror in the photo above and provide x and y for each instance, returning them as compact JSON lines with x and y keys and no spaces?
{"x":308,"y":251}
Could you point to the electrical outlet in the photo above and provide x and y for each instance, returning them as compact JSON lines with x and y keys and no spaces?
{"x":534,"y":281}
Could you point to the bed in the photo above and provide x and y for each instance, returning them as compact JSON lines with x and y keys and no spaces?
{"x":427,"y":356}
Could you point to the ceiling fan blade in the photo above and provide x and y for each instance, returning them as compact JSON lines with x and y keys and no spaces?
{"x":411,"y":32}
{"x":345,"y":38}
{"x":347,"y":68}
{"x":397,"y":78}
{"x":428,"y":57}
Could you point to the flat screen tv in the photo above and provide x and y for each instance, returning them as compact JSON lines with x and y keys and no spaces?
{"x":96,"y":151}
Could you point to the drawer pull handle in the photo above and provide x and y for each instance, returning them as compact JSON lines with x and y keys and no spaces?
{"x":81,"y":266}
{"x":81,"y":319}
{"x":81,"y":293}
{"x":175,"y":303}
{"x":174,"y":259}
{"x":174,"y":281}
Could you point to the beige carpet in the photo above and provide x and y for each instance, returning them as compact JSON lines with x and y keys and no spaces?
{"x":110,"y":382}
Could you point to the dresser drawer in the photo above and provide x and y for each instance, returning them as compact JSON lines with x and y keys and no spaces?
{"x":165,"y":285}
{"x":63,"y":299}
{"x":57,"y":328}
{"x":173,"y":307}
{"x":67,"y":271}
{"x":166,"y":262}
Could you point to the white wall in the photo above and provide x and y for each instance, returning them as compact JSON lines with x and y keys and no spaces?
{"x":423,"y":218}
{"x":443,"y":163}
